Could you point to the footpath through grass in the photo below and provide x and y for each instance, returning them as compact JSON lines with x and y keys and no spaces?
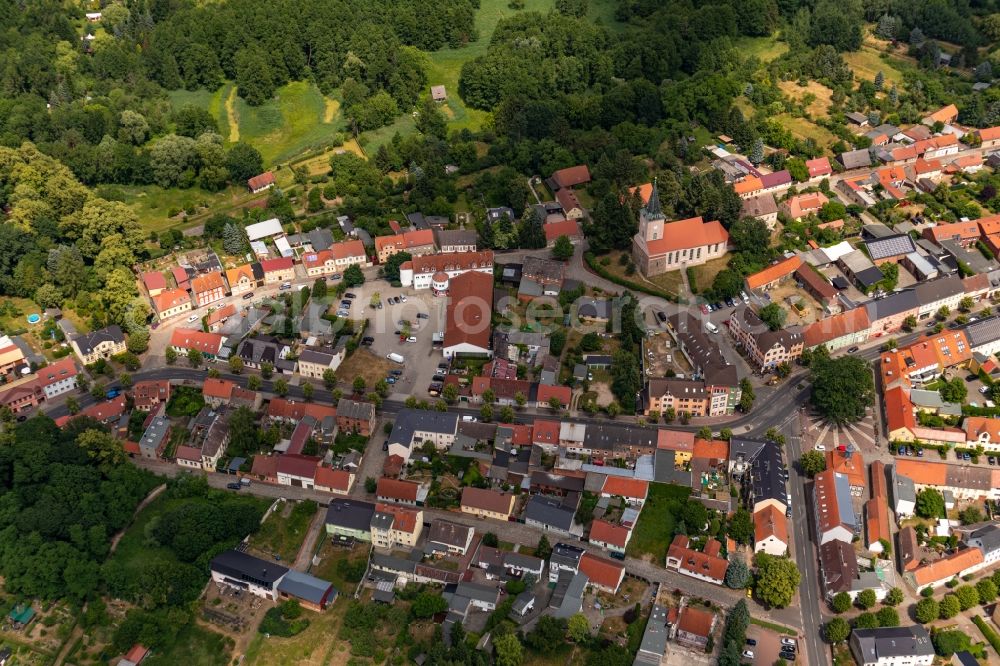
{"x":655,"y":528}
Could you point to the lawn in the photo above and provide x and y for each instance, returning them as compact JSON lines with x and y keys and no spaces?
{"x":765,"y":48}
{"x":214,"y":102}
{"x":655,"y":528}
{"x":868,"y":61}
{"x":287,"y":125}
{"x":153,"y":204}
{"x":341,"y":566}
{"x":283,"y":531}
{"x":195,"y":646}
{"x":819,"y":106}
{"x":317,"y":645}
{"x":802,"y":128}
{"x":705,"y":274}
{"x":669,"y":282}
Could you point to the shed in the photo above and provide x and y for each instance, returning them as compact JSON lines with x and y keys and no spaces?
{"x":439,"y":94}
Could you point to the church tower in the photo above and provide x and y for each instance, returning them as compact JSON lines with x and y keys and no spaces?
{"x":651,"y":219}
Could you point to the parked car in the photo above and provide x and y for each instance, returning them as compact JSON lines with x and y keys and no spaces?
{"x":423,"y":315}
{"x":194,"y":317}
{"x":385,"y":445}
{"x":751,"y":642}
{"x":662,"y":316}
{"x":233,"y":486}
{"x":984,"y":389}
{"x":704,"y":309}
{"x":247,"y":297}
{"x":367,"y":341}
{"x":284,"y":286}
{"x":112,"y":393}
{"x":396,"y":373}
{"x":343,"y":313}
{"x":437,"y":378}
{"x":748,"y":654}
{"x":402,"y":297}
{"x":853,"y":350}
{"x":390,"y":380}
{"x":789,"y":642}
{"x":412,"y":338}
{"x":350,"y":294}
{"x":992,"y":460}
{"x":820,"y":447}
{"x":966,"y":456}
{"x":335,"y":276}
{"x":379,"y":305}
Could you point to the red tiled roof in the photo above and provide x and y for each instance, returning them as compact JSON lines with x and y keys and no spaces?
{"x":470,"y":310}
{"x":277,"y":264}
{"x":188,"y":338}
{"x":835,"y":327}
{"x":546,"y":432}
{"x":62,"y":369}
{"x":947,"y":567}
{"x":819,"y":167}
{"x":337,"y":479}
{"x":151,"y":392}
{"x":298,"y":465}
{"x":170,"y":299}
{"x":714,"y":449}
{"x":404,"y":519}
{"x":137,"y":653}
{"x":702,"y":563}
{"x":692,"y":232}
{"x":266,"y":466}
{"x":451,"y":261}
{"x":674,"y":440}
{"x":853,"y":465}
{"x":554,"y":230}
{"x":180,"y":275}
{"x":282,"y":408}
{"x":625,"y":487}
{"x":397,"y":489}
{"x":546,"y":392}
{"x":348,"y":249}
{"x":188,"y":453}
{"x":988,"y":133}
{"x":774,"y":272}
{"x":154,"y":280}
{"x":696,"y":621}
{"x":261,"y":180}
{"x":216,"y":387}
{"x":602,"y":572}
{"x":605,"y":532}
{"x":945,"y":114}
{"x":962,"y":230}
{"x":572,"y":176}
{"x":770,"y":522}
{"x":487,"y":500}
{"x":221,"y":314}
{"x":208,"y":282}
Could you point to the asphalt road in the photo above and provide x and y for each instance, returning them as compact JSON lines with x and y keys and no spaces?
{"x":803,"y":547}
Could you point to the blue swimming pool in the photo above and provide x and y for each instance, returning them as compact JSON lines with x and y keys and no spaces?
{"x":34,"y":318}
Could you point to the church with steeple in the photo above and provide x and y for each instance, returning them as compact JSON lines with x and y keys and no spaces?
{"x":661,"y":246}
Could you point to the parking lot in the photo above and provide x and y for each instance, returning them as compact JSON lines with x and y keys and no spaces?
{"x":425,"y":314}
{"x":768,"y":646}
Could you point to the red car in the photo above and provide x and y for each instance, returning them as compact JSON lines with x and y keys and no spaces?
{"x":704,"y":309}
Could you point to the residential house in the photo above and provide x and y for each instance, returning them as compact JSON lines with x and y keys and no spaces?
{"x":149,"y":394}
{"x":633,"y":491}
{"x":835,"y":517}
{"x":838,"y":568}
{"x":245,"y":572}
{"x":416,"y":243}
{"x":486,"y":503}
{"x":89,"y":347}
{"x":694,"y":628}
{"x":245,"y":278}
{"x":818,"y":169}
{"x":266,"y":229}
{"x":770,"y":531}
{"x":982,"y":431}
{"x":350,"y":518}
{"x":609,"y":535}
{"x":394,"y":526}
{"x":398,"y":491}
{"x":603,"y":574}
{"x":890,"y":249}
{"x":155,"y":438}
{"x":58,"y":377}
{"x":261,"y":182}
{"x":771,"y":276}
{"x":892,"y":646}
{"x":569,"y":177}
{"x":570,"y":228}
{"x":456,"y":240}
{"x":549,"y":514}
{"x":961,"y":481}
{"x":335,"y":481}
{"x":171,"y":303}
{"x":842,"y":330}
{"x":704,"y":565}
{"x":217,"y":318}
{"x":208,"y":288}
{"x":802,"y":205}
{"x":314,"y":362}
{"x":280,"y":269}
{"x":22,"y":394}
{"x":298,"y":470}
{"x":762,"y":207}
{"x":766,"y":348}
{"x":259,"y":351}
{"x":183,"y":340}
{"x":659,"y":246}
{"x":565,"y":559}
{"x":154,"y":282}
{"x":945,"y":115}
{"x":451,"y":538}
{"x":355,"y":416}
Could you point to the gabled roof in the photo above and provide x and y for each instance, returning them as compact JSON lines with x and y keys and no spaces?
{"x":605,"y":532}
{"x":154,"y":280}
{"x":188,"y":338}
{"x":170,"y":299}
{"x":208,"y":282}
{"x":571,"y":176}
{"x":947,"y":567}
{"x":770,"y":522}
{"x":692,"y":232}
{"x":470,"y":309}
{"x":338,"y":479}
{"x":783,"y":268}
{"x":601,"y":571}
{"x":277,"y":264}
{"x":261,"y":180}
{"x":696,"y":621}
{"x":819,"y":167}
{"x":57,"y":371}
{"x":625,"y":487}
{"x":487,"y":500}
{"x":397,"y":489}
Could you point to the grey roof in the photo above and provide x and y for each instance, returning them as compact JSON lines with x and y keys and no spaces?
{"x":445,"y":237}
{"x":568,"y":596}
{"x":417,"y":220}
{"x":857,"y":117}
{"x":939,"y":289}
{"x":539,"y":268}
{"x":746,"y":450}
{"x":842,"y":490}
{"x":893,"y":304}
{"x":496,"y":214}
{"x":242,"y":566}
{"x":565,"y":555}
{"x":854,"y":159}
{"x":447,"y":532}
{"x":654,"y":638}
{"x":974,"y":259}
{"x":88,"y":341}
{"x":364,"y":237}
{"x":766,"y":480}
{"x":594,"y":360}
{"x":393,"y":563}
{"x":888,"y":642}
{"x":522,"y":602}
{"x":923,"y":398}
{"x":382,"y":521}
{"x":259,"y":350}
{"x":409,"y":421}
{"x":665,"y":469}
{"x":523,"y":562}
{"x":355,"y":409}
{"x":320,"y":239}
{"x":760,"y":205}
{"x":316,"y":355}
{"x":305,"y":586}
{"x":607,"y":436}
{"x":550,"y":512}
{"x":477,"y":592}
{"x":594,"y":308}
{"x":153,"y":437}
{"x":890,"y":246}
{"x":885,"y":128}
{"x":703,"y":351}
{"x":983,"y":332}
{"x":350,"y":514}
{"x":988,"y":537}
{"x":963,"y":657}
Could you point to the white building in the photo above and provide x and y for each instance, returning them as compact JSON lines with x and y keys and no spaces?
{"x":435,"y":271}
{"x":892,"y":646}
{"x":265,"y":229}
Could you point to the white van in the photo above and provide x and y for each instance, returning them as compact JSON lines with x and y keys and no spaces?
{"x":711,"y":328}
{"x":393,"y":356}
{"x":194,"y":318}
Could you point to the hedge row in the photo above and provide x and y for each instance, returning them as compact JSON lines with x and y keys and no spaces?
{"x":991,"y":635}
{"x":628,"y":284}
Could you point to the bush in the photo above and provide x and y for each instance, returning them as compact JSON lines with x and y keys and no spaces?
{"x":987,"y":630}
{"x":284,"y":620}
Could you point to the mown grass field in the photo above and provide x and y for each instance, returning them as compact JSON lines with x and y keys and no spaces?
{"x":868,"y":62}
{"x":152,"y":204}
{"x":655,"y":528}
{"x":765,"y":48}
{"x":802,"y":128}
